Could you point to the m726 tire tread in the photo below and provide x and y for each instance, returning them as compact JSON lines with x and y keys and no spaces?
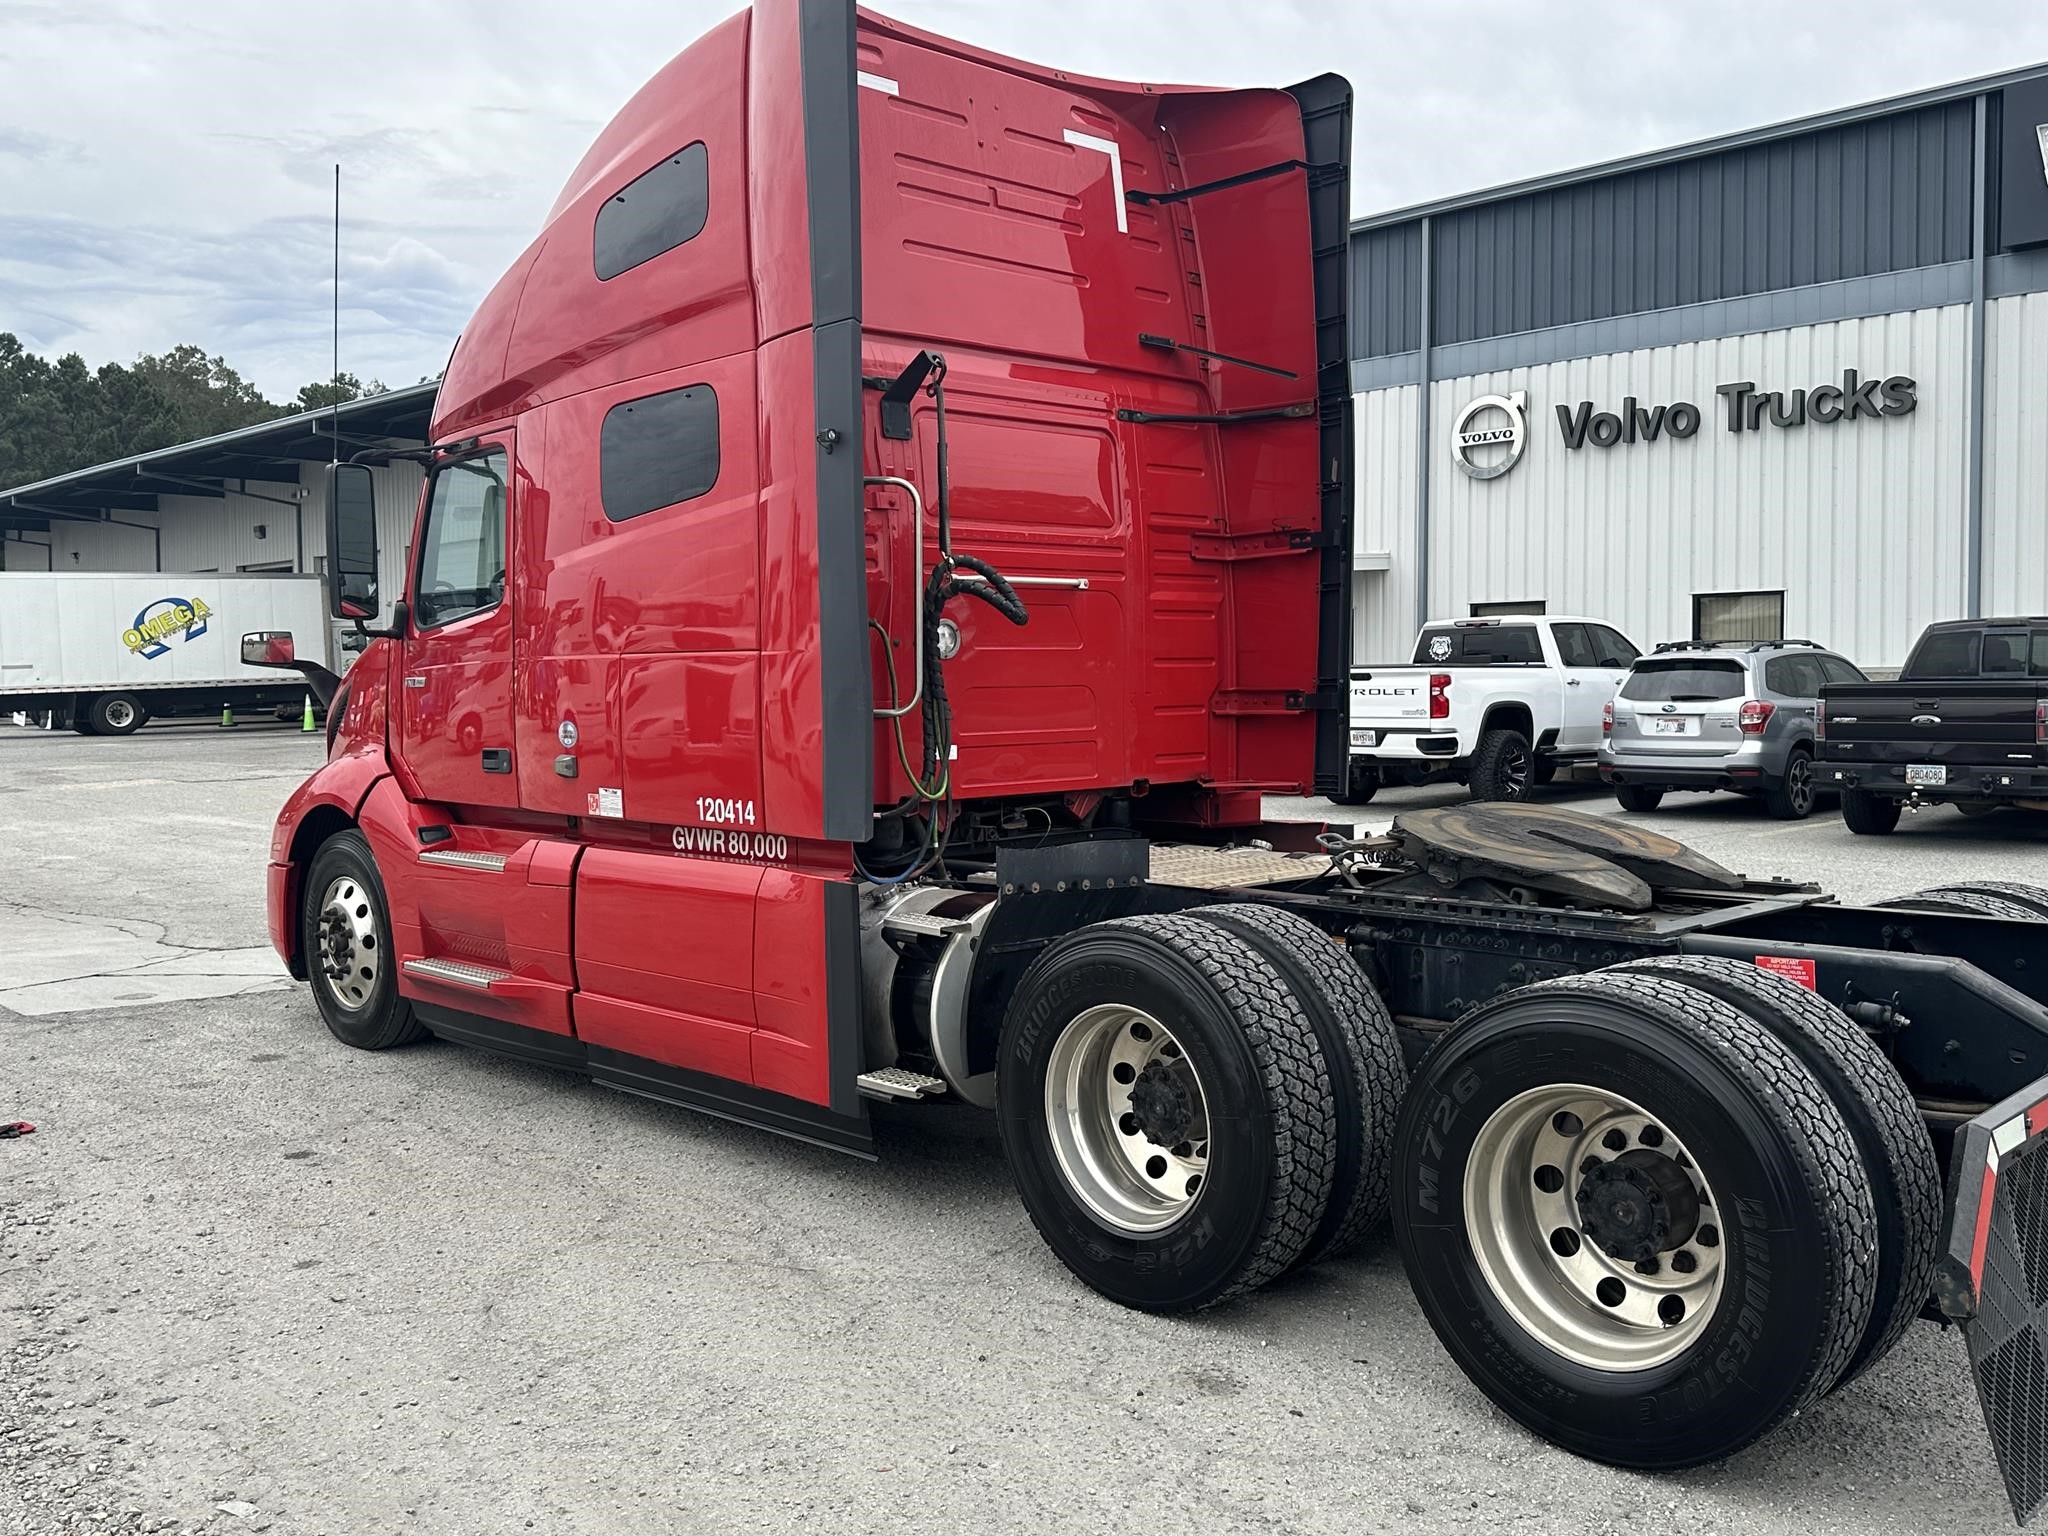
{"x":1880,"y":1112}
{"x":1813,"y":1131}
{"x":1297,"y":1083}
{"x":1371,"y":1059}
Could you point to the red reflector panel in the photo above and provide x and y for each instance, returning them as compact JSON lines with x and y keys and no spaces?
{"x":1791,"y":969}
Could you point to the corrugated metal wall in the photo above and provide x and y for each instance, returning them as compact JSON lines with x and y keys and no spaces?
{"x":1876,"y":196}
{"x":211,"y":533}
{"x":1386,"y":290}
{"x":1862,"y":523}
{"x":2016,"y":455}
{"x":1383,"y":617}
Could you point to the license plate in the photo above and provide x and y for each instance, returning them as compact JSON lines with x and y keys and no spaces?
{"x":1663,"y":727}
{"x":1365,"y":738}
{"x":1927,"y":774}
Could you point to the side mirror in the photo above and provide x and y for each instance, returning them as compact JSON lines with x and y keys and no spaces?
{"x":269,"y":648}
{"x":351,"y":542}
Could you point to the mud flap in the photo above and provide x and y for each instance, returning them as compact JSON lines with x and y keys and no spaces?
{"x":1994,"y":1281}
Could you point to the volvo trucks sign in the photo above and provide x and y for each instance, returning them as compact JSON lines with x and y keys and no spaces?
{"x":1489,"y":435}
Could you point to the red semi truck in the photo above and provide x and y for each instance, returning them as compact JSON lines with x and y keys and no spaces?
{"x":880,"y":543}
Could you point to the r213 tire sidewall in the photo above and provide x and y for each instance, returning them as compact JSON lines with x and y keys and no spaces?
{"x":1733,"y":1381}
{"x":1177,"y":1267}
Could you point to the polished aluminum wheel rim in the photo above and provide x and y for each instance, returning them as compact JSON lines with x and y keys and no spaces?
{"x":1522,"y":1185}
{"x":351,"y":953}
{"x":1129,"y":1123}
{"x":120,"y":714}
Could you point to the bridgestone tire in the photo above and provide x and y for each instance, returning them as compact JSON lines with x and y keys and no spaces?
{"x":1800,"y":1265}
{"x":1361,"y":783}
{"x":1966,"y":900}
{"x":1638,"y":797}
{"x":2008,"y":893}
{"x":1261,"y":1072}
{"x":1368,"y":1074}
{"x":1492,"y":774}
{"x":1869,"y":815}
{"x":1878,"y":1108}
{"x":385,"y":1019}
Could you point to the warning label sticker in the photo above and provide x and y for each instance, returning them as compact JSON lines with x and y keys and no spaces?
{"x":1791,"y":969}
{"x":608,"y":802}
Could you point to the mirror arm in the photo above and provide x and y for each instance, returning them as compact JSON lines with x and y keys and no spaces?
{"x":394,"y":631}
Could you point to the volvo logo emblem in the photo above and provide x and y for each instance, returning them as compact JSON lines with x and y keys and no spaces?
{"x":1489,"y":434}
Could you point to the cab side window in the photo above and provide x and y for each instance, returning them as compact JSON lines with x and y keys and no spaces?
{"x":1612,"y":646}
{"x":1575,"y":646}
{"x":462,"y":547}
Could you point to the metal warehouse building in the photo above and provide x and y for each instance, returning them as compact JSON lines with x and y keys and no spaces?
{"x":1789,"y":382}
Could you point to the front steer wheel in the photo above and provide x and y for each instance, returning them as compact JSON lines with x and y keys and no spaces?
{"x":1166,"y":1111}
{"x":1634,"y":1218}
{"x":345,"y":935}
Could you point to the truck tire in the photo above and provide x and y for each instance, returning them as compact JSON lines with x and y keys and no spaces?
{"x":1503,"y":765}
{"x":1791,"y":796}
{"x":1126,"y":1046}
{"x":116,"y":714}
{"x":1564,"y":1138}
{"x":1878,"y":1108}
{"x":1867,"y":814}
{"x":2033,"y":897}
{"x":1638,"y":797}
{"x":1961,"y":899}
{"x":1361,"y":783}
{"x":1368,"y":1073}
{"x":345,"y":935}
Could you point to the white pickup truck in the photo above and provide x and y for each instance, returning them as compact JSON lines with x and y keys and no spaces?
{"x":1498,"y":703}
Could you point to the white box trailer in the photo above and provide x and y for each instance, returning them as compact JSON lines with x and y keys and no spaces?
{"x":105,"y":653}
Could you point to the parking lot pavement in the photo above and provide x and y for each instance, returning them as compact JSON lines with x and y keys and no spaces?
{"x":246,"y":1270}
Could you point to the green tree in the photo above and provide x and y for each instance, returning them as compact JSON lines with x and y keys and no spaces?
{"x":207,"y":395}
{"x":339,"y":390}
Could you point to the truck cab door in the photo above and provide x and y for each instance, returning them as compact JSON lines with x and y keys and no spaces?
{"x":455,"y":717}
{"x":1584,"y":686}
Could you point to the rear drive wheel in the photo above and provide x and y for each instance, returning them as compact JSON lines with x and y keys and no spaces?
{"x":1368,"y":1073}
{"x":1361,"y":783}
{"x":1166,"y":1112}
{"x":1633,"y":1218}
{"x":1638,"y":797}
{"x":1791,"y":797}
{"x":1971,"y":902}
{"x":1868,"y":814}
{"x":2033,"y":897}
{"x":1503,"y":765}
{"x":1877,"y":1107}
{"x":345,"y":935}
{"x":116,"y":714}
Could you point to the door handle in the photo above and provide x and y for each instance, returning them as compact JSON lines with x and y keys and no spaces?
{"x":497,"y":759}
{"x":1572,"y":682}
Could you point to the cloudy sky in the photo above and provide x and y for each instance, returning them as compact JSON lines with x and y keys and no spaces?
{"x":165,"y":171}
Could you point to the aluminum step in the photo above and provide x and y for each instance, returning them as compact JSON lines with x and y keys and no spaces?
{"x":924,"y":925}
{"x":461,"y":973}
{"x":455,"y":858}
{"x":899,"y":1083}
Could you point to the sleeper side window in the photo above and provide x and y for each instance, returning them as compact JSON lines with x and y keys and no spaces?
{"x":658,"y":450}
{"x":656,"y":211}
{"x":462,"y":548}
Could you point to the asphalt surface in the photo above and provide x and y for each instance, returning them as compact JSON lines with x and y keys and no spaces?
{"x":251,"y":1279}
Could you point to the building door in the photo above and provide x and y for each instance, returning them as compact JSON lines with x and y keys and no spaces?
{"x":454,"y":703}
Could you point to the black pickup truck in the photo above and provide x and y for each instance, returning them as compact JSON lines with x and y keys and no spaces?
{"x":1966,"y":724}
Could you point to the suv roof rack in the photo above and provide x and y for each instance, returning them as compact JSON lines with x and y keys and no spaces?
{"x":1732,"y":645}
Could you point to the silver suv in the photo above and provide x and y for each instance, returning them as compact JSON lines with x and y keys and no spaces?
{"x":1739,"y":715}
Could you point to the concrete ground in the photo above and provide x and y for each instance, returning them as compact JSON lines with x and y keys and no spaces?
{"x":250,"y":1279}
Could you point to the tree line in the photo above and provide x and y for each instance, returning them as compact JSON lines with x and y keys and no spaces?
{"x":57,"y":416}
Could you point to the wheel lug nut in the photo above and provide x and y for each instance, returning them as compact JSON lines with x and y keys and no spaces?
{"x":1649,"y":1267}
{"x":1684,"y":1261}
{"x":1707,"y":1237}
{"x":1615,"y":1141}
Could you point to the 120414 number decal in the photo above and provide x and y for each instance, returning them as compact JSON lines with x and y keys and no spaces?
{"x":716,"y":811}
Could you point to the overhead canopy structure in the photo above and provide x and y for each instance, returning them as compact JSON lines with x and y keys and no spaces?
{"x":216,"y":466}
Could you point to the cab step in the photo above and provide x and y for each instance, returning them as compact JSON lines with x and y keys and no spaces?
{"x":899,"y":1083}
{"x":924,"y":925}
{"x":456,"y":858}
{"x":460,"y":973}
